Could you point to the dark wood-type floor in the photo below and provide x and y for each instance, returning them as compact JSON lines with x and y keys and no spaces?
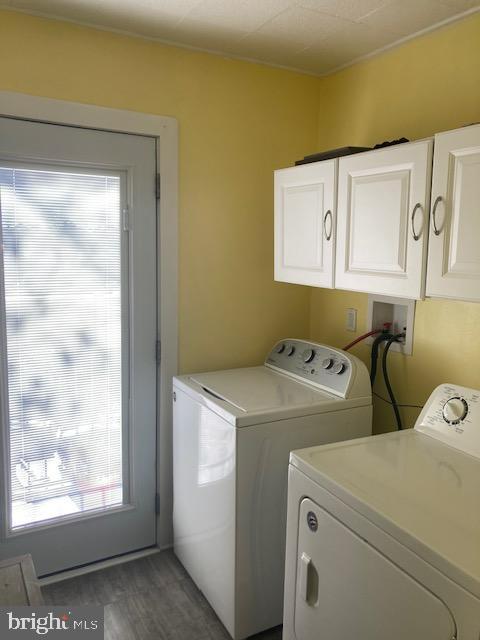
{"x":148,"y":599}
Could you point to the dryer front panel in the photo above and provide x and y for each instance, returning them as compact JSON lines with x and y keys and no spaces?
{"x":345,"y":588}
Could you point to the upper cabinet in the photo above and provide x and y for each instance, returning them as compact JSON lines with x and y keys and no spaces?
{"x":364,"y":222}
{"x":382,"y":220}
{"x":454,"y":245}
{"x":305,"y":198}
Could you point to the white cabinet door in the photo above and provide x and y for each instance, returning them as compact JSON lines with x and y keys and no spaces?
{"x":305,"y":223}
{"x":382,"y":220}
{"x":454,"y":248}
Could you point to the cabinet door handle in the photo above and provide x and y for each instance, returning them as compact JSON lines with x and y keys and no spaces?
{"x":416,"y":236}
{"x":328,"y":235}
{"x":436,"y":230}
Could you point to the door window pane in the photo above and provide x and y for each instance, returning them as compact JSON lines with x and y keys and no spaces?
{"x":62,"y":280}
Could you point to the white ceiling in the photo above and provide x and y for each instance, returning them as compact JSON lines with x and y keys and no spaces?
{"x":315,"y":36}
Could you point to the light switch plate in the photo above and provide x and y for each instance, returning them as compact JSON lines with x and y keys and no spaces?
{"x":351,"y":320}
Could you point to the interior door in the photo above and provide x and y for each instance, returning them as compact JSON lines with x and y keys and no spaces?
{"x":347,"y":589}
{"x":382,"y":220}
{"x":78,"y":323}
{"x":454,"y":251}
{"x":305,"y":199}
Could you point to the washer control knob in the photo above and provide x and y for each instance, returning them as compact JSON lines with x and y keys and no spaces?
{"x":280,"y":348}
{"x":290,"y":350}
{"x":455,"y":410}
{"x":339,"y":368}
{"x":327,"y":363}
{"x":308,"y":355}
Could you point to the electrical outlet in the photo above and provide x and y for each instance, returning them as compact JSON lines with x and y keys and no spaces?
{"x":399,"y":312}
{"x":351,"y":320}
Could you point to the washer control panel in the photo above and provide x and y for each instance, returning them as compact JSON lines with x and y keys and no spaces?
{"x":328,"y":368}
{"x":452,"y":414}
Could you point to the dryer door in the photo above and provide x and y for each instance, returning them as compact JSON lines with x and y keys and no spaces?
{"x":347,"y":589}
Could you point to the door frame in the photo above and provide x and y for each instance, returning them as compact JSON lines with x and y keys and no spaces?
{"x":165,"y":130}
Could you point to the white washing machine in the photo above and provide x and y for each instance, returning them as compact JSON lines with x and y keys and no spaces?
{"x":383,"y":534}
{"x":232,"y":435}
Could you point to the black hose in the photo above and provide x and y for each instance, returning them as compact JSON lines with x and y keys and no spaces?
{"x":385,"y":335}
{"x":390,"y":341}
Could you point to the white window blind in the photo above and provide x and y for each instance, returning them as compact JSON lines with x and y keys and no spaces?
{"x":62,"y":280}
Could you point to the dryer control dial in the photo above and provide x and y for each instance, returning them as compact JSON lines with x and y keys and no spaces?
{"x":455,"y":410}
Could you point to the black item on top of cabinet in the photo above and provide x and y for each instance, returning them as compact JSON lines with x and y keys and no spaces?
{"x":332,"y":153}
{"x":389,"y":143}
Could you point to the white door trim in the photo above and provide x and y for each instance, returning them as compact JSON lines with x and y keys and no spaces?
{"x":165,"y":129}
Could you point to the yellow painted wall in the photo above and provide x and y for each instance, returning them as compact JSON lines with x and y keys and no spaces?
{"x":429,"y":84}
{"x":238,"y":121}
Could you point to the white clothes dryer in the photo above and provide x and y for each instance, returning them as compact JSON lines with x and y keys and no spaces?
{"x":383,"y":534}
{"x":232,"y":434}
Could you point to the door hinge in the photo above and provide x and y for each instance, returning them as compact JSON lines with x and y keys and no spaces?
{"x":157,"y":503}
{"x":157,"y":186}
{"x":158,"y":351}
{"x":126,"y":218}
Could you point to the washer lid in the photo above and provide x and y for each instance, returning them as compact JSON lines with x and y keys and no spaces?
{"x":257,"y":389}
{"x":421,"y":491}
{"x":255,"y":395}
